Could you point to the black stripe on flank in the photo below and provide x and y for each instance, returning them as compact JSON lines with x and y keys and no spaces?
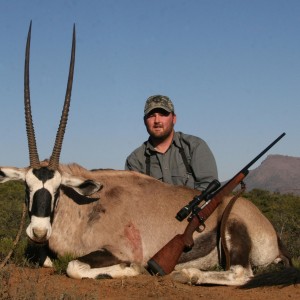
{"x":240,"y":243}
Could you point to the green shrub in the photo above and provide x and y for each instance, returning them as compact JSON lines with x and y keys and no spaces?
{"x":6,"y":245}
{"x":11,"y":207}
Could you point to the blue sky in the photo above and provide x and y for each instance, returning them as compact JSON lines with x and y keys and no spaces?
{"x":232,"y":69}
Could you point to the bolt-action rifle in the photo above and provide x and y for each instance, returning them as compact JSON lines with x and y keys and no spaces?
{"x":165,"y":260}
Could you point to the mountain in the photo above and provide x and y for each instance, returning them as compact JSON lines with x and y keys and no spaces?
{"x":277,"y":173}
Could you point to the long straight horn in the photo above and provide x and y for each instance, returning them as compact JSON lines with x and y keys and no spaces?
{"x":33,"y":154}
{"x":54,"y":159}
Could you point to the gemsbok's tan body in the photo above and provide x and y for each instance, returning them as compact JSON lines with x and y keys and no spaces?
{"x":115,"y":221}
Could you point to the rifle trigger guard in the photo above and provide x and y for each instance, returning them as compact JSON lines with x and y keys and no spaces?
{"x":202,"y":224}
{"x":201,"y":228}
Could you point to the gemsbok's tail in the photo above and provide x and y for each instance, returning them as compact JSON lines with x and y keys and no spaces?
{"x":283,"y":277}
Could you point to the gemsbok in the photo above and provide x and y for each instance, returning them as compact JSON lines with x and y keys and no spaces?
{"x":115,"y":221}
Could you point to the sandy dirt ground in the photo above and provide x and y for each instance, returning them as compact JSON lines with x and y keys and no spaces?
{"x":41,"y":283}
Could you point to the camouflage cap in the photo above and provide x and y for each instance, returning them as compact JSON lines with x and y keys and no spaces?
{"x":158,"y":101}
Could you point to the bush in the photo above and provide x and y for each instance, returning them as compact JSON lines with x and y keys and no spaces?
{"x":11,"y":206}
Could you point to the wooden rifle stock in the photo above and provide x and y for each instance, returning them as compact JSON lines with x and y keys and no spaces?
{"x":165,"y":260}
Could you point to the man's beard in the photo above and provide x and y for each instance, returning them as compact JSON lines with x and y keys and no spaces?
{"x":160,"y":136}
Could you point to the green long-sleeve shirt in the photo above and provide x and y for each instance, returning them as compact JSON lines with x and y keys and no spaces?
{"x":169,"y":167}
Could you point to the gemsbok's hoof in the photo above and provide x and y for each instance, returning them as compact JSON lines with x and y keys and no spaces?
{"x":189,"y":276}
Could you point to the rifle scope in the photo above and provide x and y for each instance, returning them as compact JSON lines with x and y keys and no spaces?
{"x":185,"y":211}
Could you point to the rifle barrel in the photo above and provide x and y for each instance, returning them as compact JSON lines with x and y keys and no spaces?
{"x":263,"y":152}
{"x":245,"y":170}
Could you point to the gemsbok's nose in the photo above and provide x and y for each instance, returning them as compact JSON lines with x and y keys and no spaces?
{"x":39,"y":233}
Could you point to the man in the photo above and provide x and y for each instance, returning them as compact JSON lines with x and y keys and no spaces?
{"x":172,"y":157}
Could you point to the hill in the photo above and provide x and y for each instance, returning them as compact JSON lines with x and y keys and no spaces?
{"x":277,"y":173}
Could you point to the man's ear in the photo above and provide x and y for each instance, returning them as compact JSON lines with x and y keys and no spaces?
{"x":174,"y":119}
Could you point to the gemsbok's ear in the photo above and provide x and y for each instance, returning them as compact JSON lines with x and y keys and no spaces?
{"x":84,"y":187}
{"x":10,"y":173}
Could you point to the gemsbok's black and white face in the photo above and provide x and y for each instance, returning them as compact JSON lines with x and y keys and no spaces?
{"x":43,"y":179}
{"x":42,"y":190}
{"x":42,"y":186}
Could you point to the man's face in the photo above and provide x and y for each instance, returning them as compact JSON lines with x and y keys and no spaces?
{"x":160,"y":123}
